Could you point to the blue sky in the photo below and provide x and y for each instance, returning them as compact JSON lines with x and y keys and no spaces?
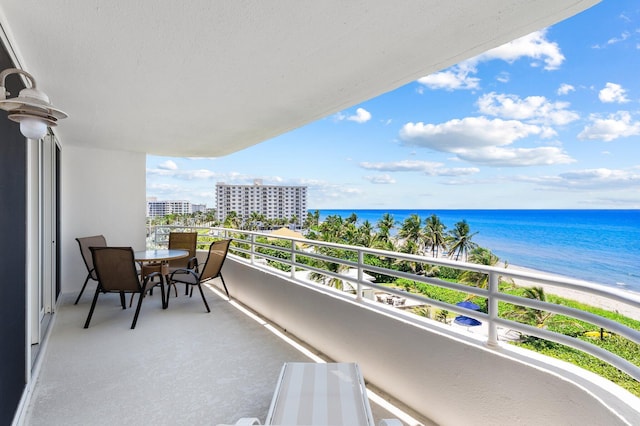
{"x":551,"y":120}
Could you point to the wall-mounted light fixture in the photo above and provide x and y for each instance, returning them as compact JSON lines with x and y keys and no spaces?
{"x":31,"y":108}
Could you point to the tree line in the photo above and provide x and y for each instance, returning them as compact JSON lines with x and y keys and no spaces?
{"x":254,"y":222}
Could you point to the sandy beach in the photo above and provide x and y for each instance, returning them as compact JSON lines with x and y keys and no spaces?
{"x":586,"y":298}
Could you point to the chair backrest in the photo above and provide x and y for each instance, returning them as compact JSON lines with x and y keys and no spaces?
{"x":85,"y":243}
{"x":215,"y":259}
{"x":116,"y":269}
{"x":182,"y":241}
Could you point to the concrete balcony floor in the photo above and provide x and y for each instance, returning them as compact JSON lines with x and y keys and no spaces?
{"x":179,"y":366}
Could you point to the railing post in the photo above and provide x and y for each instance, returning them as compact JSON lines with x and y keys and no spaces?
{"x":253,"y":249}
{"x":293,"y":259}
{"x":359,"y":285}
{"x":155,"y":236}
{"x":492,"y":307}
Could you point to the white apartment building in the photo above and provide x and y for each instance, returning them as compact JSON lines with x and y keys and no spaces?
{"x":163,"y":208}
{"x":198,"y":208}
{"x":272,"y":201}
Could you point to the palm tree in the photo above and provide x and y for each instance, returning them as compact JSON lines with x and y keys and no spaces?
{"x":434,"y":234}
{"x":353,"y":218}
{"x":311,"y":220}
{"x":460,"y":240}
{"x":481,"y":256}
{"x":385,"y":225}
{"x":366,"y":237}
{"x":337,"y":268}
{"x":411,"y":247}
{"x":411,"y":230}
{"x":531,"y":315}
{"x":232,"y":220}
{"x":294,"y":221}
{"x":332,"y":229}
{"x":253,"y":220}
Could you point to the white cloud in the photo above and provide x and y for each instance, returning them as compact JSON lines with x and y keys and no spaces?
{"x":613,"y":93}
{"x":466,"y":134}
{"x":454,"y":171}
{"x":168,"y":165}
{"x":201,"y":174}
{"x":534,"y":46}
{"x":384,"y":179}
{"x":565,"y":88}
{"x":517,"y":157}
{"x":590,"y":179}
{"x":455,"y":78}
{"x":427,"y":167}
{"x":614,"y":40}
{"x":503,"y":77}
{"x":483,"y":141}
{"x":536,"y":109}
{"x":163,"y":187}
{"x":625,"y":35}
{"x":361,"y":116}
{"x":462,"y":76}
{"x":614,"y":126}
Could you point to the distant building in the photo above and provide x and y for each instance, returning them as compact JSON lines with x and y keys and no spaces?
{"x":198,"y":208}
{"x":272,"y":201}
{"x":163,"y":208}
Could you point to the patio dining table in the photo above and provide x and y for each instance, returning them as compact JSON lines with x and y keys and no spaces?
{"x":157,"y":260}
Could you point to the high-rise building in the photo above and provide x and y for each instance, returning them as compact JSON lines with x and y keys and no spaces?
{"x":272,"y":201}
{"x":163,"y":208}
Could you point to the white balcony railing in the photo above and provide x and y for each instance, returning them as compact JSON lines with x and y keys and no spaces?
{"x":247,"y":247}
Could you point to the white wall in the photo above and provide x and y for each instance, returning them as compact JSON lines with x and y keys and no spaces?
{"x":444,"y":376}
{"x":102,"y":192}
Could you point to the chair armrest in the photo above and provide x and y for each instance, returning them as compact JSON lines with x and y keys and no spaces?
{"x":148,"y":277}
{"x":193,"y":263}
{"x":183,"y":271}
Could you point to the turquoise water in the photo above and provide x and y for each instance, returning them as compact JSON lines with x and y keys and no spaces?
{"x":601,"y":246}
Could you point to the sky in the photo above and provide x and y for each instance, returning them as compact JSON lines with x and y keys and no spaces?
{"x":548,"y":121}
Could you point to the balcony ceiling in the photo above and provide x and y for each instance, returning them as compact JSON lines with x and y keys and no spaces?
{"x":207,"y":78}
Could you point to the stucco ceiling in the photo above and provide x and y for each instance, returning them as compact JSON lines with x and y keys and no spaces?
{"x":207,"y":78}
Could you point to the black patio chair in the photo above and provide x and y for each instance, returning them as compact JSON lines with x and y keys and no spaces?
{"x":183,"y":241}
{"x":85,"y":243}
{"x":116,"y":271}
{"x":212,"y":269}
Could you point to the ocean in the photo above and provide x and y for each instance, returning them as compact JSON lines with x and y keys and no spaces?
{"x":600,"y":246}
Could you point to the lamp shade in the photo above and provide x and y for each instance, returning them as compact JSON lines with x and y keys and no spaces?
{"x":33,"y":128}
{"x":31,"y":108}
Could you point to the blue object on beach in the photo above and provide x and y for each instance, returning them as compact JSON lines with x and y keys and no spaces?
{"x":469,"y":322}
{"x":468,"y":305}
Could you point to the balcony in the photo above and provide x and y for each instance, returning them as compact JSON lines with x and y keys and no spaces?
{"x":188,"y":367}
{"x":219,"y":367}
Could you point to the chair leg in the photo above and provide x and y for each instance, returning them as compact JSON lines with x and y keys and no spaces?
{"x":123,"y":302}
{"x":142,"y":293}
{"x":165,"y":304}
{"x":203,"y":298}
{"x":93,"y":305}
{"x":225,"y":286}
{"x":175,"y":287}
{"x":83,"y":286}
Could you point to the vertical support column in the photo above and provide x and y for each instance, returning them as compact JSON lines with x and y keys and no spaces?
{"x":359,"y":284}
{"x":492,"y":306}
{"x":253,"y":249}
{"x":293,"y":259}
